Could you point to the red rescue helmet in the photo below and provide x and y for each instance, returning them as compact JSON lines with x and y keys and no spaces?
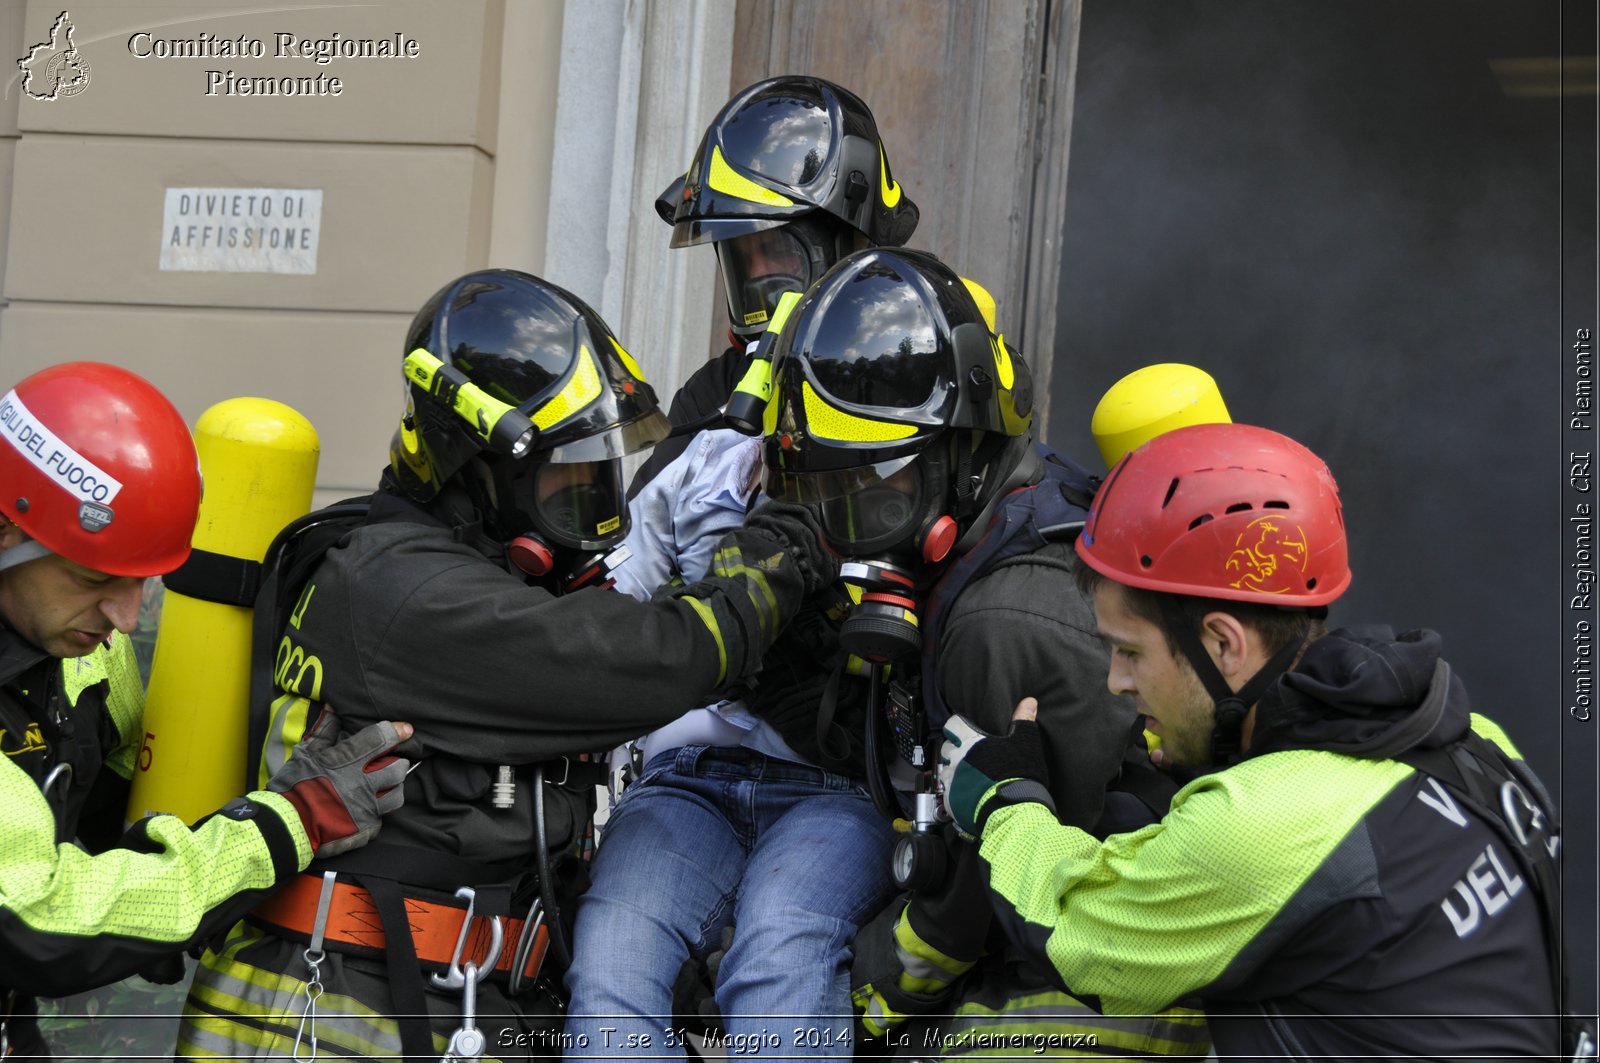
{"x":1221,"y":511}
{"x":97,"y":466}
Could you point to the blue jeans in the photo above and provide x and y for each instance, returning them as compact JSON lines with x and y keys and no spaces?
{"x":710,"y":837}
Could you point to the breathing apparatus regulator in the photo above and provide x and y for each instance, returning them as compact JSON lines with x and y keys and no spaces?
{"x":521,"y":397}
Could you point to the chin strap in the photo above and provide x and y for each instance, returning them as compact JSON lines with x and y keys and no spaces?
{"x":1227,"y":734}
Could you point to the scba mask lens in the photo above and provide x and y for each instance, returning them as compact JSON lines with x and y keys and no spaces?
{"x":580,"y":504}
{"x":758,"y":268}
{"x":876,"y":516}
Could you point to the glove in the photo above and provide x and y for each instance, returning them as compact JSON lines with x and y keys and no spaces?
{"x":953,"y":916}
{"x":168,"y":970}
{"x":797,"y":526}
{"x":343,"y":788}
{"x":981,"y":773}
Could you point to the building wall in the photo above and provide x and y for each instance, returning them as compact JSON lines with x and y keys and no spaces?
{"x":534,"y":134}
{"x":973,"y":102}
{"x":405,"y":158}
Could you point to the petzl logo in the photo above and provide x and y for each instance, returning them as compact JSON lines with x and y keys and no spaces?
{"x":54,"y":69}
{"x":1268,"y":556}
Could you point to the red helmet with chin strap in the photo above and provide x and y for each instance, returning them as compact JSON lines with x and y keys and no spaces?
{"x":97,"y":466}
{"x":1221,"y":511}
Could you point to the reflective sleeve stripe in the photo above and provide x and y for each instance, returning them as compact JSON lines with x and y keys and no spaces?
{"x":925,"y":969}
{"x":709,"y":619}
{"x":876,"y":1014}
{"x":729,"y":562}
{"x":233,"y":1003}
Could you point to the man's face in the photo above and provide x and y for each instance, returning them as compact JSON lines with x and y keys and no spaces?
{"x":65,"y":609}
{"x":1163,"y":686}
{"x":766,"y":253}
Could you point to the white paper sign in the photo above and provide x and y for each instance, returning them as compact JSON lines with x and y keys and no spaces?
{"x":241,"y":230}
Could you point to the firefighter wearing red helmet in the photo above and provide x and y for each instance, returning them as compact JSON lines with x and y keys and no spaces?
{"x":99,"y":490}
{"x":1358,"y":866}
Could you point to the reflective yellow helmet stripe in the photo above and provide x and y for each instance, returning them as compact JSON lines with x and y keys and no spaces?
{"x":627,"y":360}
{"x":825,"y":422}
{"x":1002,"y":362}
{"x":725,"y":179}
{"x":985,"y":301}
{"x":890,"y":191}
{"x":582,"y":389}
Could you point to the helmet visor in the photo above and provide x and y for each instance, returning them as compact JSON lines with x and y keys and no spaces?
{"x":757,"y":269}
{"x":580,"y":503}
{"x":809,"y":488}
{"x":874,"y":340}
{"x":630,"y":437}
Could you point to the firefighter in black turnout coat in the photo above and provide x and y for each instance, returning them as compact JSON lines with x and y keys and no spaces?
{"x":465,"y":601}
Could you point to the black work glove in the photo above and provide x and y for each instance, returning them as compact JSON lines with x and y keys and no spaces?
{"x":953,"y":916}
{"x":980,"y":773}
{"x":798,"y":526}
{"x":343,"y":788}
{"x":168,"y":970}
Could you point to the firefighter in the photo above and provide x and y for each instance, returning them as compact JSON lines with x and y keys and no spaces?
{"x":99,"y":490}
{"x":1362,"y":866}
{"x":789,"y":177}
{"x":902,"y":415}
{"x":469,"y":593}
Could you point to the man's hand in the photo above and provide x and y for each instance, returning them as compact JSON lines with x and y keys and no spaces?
{"x":981,"y":773}
{"x":798,"y":526}
{"x":343,"y":788}
{"x":953,"y":916}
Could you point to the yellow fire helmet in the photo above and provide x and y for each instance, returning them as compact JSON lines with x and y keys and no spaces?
{"x":1153,"y":400}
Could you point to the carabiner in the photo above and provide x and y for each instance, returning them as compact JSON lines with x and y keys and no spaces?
{"x":455,"y":978}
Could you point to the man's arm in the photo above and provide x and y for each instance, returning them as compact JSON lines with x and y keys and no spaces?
{"x":1193,"y":902}
{"x":70,"y":921}
{"x":1023,"y":629}
{"x":486,"y":665}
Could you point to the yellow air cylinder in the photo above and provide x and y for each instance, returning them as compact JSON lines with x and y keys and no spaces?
{"x":259,"y":461}
{"x":1153,"y":400}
